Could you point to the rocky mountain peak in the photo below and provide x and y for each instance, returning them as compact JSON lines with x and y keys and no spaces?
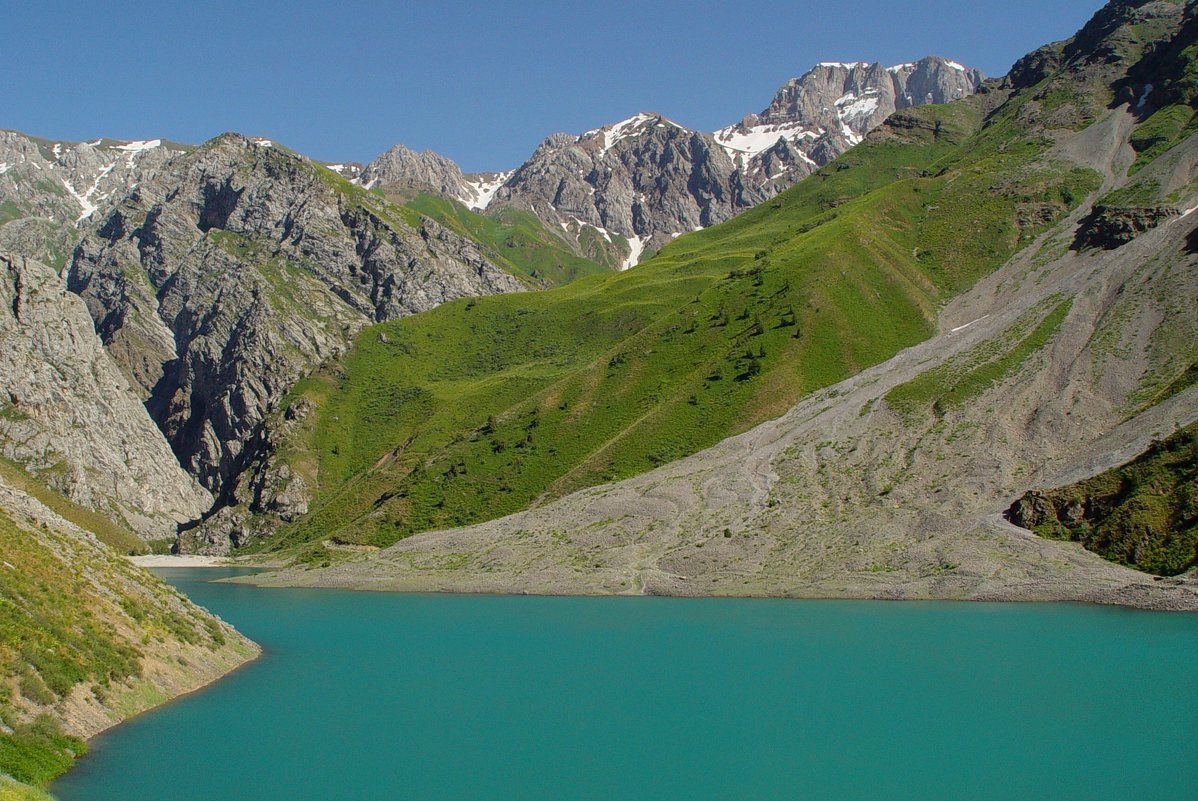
{"x":220,"y":281}
{"x":649,"y":179}
{"x":405,"y":167}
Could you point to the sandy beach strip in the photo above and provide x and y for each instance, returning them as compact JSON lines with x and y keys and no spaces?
{"x":168,"y":560}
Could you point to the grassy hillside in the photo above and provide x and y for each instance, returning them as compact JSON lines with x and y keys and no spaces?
{"x":1143,"y":514}
{"x":11,"y":790}
{"x":480,"y":408}
{"x":521,"y":243}
{"x":87,"y":637}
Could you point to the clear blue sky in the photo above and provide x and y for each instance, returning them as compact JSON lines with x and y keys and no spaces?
{"x":482,"y":83}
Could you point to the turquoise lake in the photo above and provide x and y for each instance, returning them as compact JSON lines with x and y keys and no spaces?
{"x":364,"y":696}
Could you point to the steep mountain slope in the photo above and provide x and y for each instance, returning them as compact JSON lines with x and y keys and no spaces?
{"x":219,"y":282}
{"x":482,"y":408}
{"x":70,"y":418}
{"x":48,"y":189}
{"x":889,"y":484}
{"x":641,"y":182}
{"x":87,"y":640}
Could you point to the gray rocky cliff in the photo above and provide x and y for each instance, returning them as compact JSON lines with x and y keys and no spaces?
{"x":69,"y":416}
{"x":225,"y":278}
{"x":401,"y":166}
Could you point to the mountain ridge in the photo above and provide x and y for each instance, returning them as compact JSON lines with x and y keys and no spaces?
{"x":686,"y":179}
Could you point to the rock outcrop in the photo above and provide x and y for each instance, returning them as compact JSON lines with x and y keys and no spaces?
{"x":430,"y":172}
{"x":1109,"y":227}
{"x":69,"y":416}
{"x":216,"y":284}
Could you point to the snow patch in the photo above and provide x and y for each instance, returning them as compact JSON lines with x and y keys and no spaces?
{"x":846,"y":64}
{"x":850,"y":106}
{"x":901,"y":67}
{"x":137,"y":147}
{"x":759,"y":138}
{"x":606,"y":234}
{"x":57,"y":149}
{"x":5,"y":167}
{"x":971,"y":322}
{"x":1144,"y":97}
{"x":954,"y":65}
{"x":636,"y":246}
{"x":85,"y":199}
{"x":264,"y":143}
{"x":482,"y":192}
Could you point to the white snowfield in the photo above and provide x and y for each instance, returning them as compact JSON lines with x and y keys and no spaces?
{"x":760,"y":138}
{"x":484,"y":190}
{"x":137,"y":147}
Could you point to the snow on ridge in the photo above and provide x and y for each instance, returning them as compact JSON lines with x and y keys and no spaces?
{"x":264,"y":143}
{"x":617,"y":131}
{"x":901,"y":67}
{"x":484,"y":191}
{"x":759,"y":138}
{"x":626,"y":129}
{"x":846,"y":64}
{"x":954,"y":65}
{"x":137,"y":147}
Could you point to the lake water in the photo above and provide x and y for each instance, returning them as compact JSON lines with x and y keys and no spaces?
{"x":366,"y":696}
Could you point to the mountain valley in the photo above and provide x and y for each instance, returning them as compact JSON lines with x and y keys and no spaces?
{"x":906,"y":333}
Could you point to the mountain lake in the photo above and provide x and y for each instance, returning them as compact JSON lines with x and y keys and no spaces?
{"x":444,"y":697}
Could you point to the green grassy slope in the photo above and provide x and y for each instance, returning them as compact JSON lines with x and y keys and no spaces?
{"x":11,"y":790}
{"x":72,"y":614}
{"x":1143,"y":514}
{"x":521,"y":243}
{"x":480,"y":408}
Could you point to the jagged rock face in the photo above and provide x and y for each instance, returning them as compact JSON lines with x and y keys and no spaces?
{"x":831,"y":107}
{"x":649,"y":179}
{"x":429,"y":171}
{"x":403,"y":167}
{"x":646,"y":178}
{"x":71,"y":418}
{"x":49,"y":188}
{"x":221,"y":281}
